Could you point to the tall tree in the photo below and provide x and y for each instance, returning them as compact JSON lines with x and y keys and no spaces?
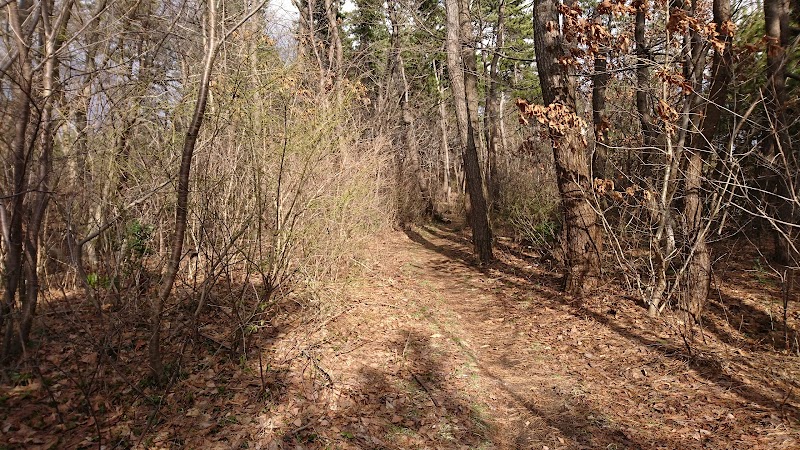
{"x":600,"y":80}
{"x":643,"y":62}
{"x":778,"y":145}
{"x":581,"y":234}
{"x":368,"y":32}
{"x":461,"y":67}
{"x":407,"y":114}
{"x":212,"y":46}
{"x":699,"y":254}
{"x":493,"y":107}
{"x":319,"y":37}
{"x":444,"y":145}
{"x":39,"y":30}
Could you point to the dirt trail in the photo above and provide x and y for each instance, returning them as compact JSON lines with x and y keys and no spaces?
{"x":421,"y":349}
{"x":436,"y":353}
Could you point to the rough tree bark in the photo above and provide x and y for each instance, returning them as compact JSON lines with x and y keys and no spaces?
{"x":335,"y":55}
{"x":12,"y":208}
{"x":779,"y":143}
{"x":464,"y":84}
{"x":698,"y":276}
{"x":493,"y":114}
{"x":470,"y":67}
{"x":600,"y":80}
{"x":582,"y":238}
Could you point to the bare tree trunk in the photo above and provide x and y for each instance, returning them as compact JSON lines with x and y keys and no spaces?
{"x":212,"y":44}
{"x":600,"y":80}
{"x":181,"y":207}
{"x":699,"y":267}
{"x":581,"y":235}
{"x":503,"y":141}
{"x":461,"y":66}
{"x":455,"y":68}
{"x":80,"y":175}
{"x":13,"y":207}
{"x":494,"y":144}
{"x":307,"y":36}
{"x":412,"y":148}
{"x":335,"y":56}
{"x":643,"y":84}
{"x":30,"y":191}
{"x":53,"y":33}
{"x":470,"y":66}
{"x":443,"y":137}
{"x":779,"y":143}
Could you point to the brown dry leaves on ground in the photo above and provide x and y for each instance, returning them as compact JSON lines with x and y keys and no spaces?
{"x":422,"y":349}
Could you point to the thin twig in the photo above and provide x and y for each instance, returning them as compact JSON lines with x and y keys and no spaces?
{"x":427,"y":391}
{"x":318,"y":367}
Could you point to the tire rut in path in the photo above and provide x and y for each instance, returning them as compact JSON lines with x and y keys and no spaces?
{"x":537,"y":368}
{"x":532,"y":398}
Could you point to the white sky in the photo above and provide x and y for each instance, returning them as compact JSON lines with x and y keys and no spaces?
{"x":283,"y":9}
{"x":281,"y":17}
{"x":286,"y":9}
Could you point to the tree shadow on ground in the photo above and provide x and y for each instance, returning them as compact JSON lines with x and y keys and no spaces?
{"x":709,"y":367}
{"x":419,"y":407}
{"x":756,"y":282}
{"x":92,"y":378}
{"x":88,"y":384}
{"x":411,"y":404}
{"x":756,"y":330}
{"x":556,"y":417}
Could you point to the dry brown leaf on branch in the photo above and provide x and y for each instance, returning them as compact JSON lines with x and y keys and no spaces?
{"x":666,"y":112}
{"x":728,"y":28}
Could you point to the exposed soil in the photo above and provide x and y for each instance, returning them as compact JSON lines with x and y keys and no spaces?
{"x":423,"y":349}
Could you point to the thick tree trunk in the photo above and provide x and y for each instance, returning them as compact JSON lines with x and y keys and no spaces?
{"x":455,"y":68}
{"x":12,"y":212}
{"x":582,"y":238}
{"x":335,"y":56}
{"x":470,"y":66}
{"x":41,"y":196}
{"x":31,"y":172}
{"x":776,"y":21}
{"x":698,"y":277}
{"x":460,"y":58}
{"x":493,"y":116}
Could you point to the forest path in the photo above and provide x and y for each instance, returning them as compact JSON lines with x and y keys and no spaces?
{"x":438,"y":353}
{"x":419,"y":348}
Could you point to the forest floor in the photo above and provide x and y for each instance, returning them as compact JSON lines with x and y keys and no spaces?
{"x":420,"y":348}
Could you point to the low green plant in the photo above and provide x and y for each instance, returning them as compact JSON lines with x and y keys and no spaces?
{"x":761,"y":274}
{"x":97,"y":281}
{"x":19,"y":378}
{"x":139,"y":236}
